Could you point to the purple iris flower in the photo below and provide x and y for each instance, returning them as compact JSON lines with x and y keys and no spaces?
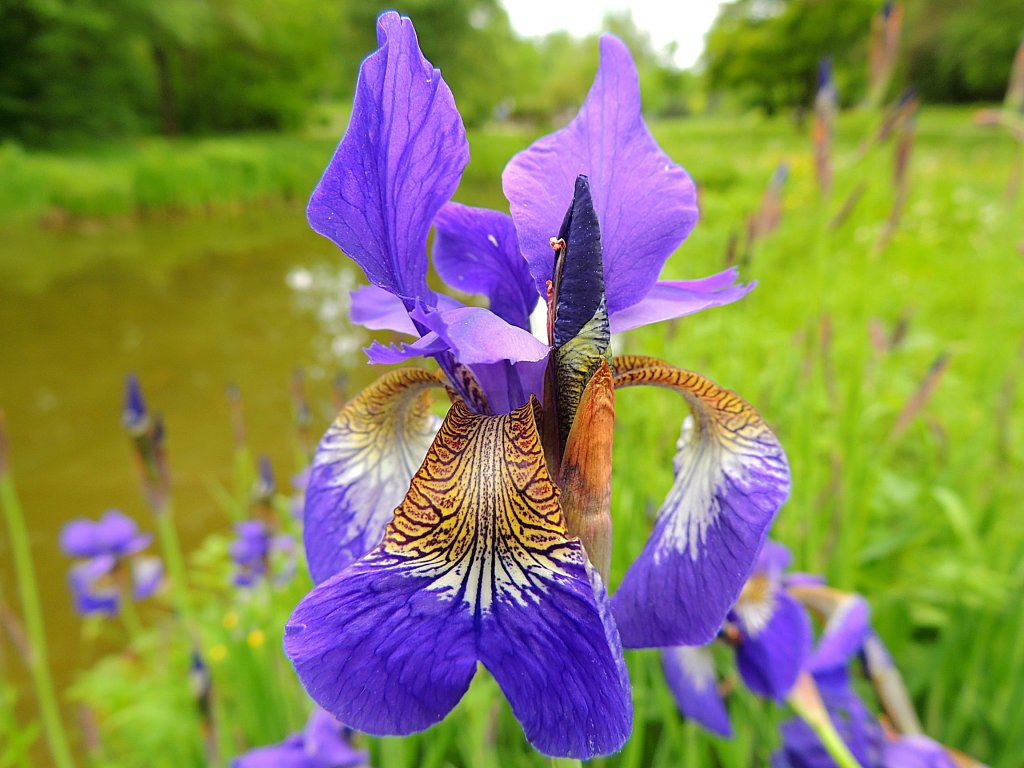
{"x":847,"y":634}
{"x":486,"y":538}
{"x":771,"y":634}
{"x":256,"y":550}
{"x":323,"y":744}
{"x":864,"y":736}
{"x":108,"y":564}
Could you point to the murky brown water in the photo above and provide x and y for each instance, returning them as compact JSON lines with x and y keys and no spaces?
{"x":190,"y":306}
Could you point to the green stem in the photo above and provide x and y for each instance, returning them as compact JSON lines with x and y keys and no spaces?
{"x":807,"y":703}
{"x":32,"y":612}
{"x":834,"y":743}
{"x":565,"y":762}
{"x":130,"y":615}
{"x":171,"y":547}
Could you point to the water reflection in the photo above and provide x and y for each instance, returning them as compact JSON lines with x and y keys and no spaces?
{"x":190,"y":306}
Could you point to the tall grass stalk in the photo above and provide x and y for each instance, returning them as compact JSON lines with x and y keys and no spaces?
{"x":31,"y":608}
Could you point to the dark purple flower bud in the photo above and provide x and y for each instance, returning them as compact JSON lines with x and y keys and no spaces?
{"x":825,"y":73}
{"x":134,"y":416}
{"x":266,"y":485}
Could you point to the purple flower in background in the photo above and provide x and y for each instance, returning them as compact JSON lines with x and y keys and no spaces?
{"x":323,"y":744}
{"x":256,"y":550}
{"x":771,"y":634}
{"x":486,"y":538}
{"x":147,"y":435}
{"x":108,"y":565}
{"x":862,"y":734}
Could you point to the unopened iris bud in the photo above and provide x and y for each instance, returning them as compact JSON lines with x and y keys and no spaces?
{"x":134,"y":416}
{"x":580,"y":333}
{"x":266,"y":485}
{"x":148,"y":437}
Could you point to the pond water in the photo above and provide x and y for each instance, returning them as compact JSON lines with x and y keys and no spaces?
{"x":191,"y":306}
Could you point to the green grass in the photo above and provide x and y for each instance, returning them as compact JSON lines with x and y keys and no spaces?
{"x":924,"y":523}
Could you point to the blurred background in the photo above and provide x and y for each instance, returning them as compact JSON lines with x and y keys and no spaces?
{"x":155,"y":159}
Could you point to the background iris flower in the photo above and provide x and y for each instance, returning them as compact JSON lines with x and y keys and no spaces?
{"x":771,"y":634}
{"x":487,"y":538}
{"x":108,"y":566}
{"x":256,"y":549}
{"x":324,"y":743}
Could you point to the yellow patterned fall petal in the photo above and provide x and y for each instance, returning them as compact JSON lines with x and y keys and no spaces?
{"x":363,"y":466}
{"x":475,"y":566}
{"x":731,"y":478}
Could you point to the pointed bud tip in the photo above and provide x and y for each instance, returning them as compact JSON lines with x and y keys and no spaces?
{"x":134,"y":415}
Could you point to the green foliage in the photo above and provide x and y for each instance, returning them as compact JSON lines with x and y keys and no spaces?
{"x":765,"y":53}
{"x":922,"y":522}
{"x":71,"y":70}
{"x":15,"y":739}
{"x":961,"y":50}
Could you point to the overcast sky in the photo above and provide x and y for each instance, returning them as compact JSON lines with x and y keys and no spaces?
{"x":681,"y":21}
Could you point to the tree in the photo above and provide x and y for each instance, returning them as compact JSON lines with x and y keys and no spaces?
{"x":962,"y":50}
{"x":766,"y":52}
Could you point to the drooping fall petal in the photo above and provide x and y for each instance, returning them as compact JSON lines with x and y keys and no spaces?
{"x":362,"y":468}
{"x":731,"y":478}
{"x":771,"y":657}
{"x":691,"y":676}
{"x":475,"y":566}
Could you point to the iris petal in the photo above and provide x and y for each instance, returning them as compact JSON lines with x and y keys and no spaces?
{"x":646,"y":204}
{"x":847,"y":626}
{"x":506,"y":361}
{"x":771,"y":658}
{"x":147,"y":572}
{"x":475,"y":251}
{"x":669,"y":299}
{"x":398,"y":163}
{"x":92,"y":589}
{"x":690,"y":673}
{"x":475,"y":565}
{"x":363,"y":466}
{"x":731,"y":478}
{"x":379,"y":310}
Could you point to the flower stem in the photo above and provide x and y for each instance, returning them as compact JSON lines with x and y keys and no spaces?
{"x":807,"y":703}
{"x":130,"y":616}
{"x":171,"y":547}
{"x":28,"y":590}
{"x":565,"y":762}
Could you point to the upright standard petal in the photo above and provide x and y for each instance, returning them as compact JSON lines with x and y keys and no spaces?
{"x":731,"y":478}
{"x":398,"y":163}
{"x":475,"y":566}
{"x":646,"y":204}
{"x":691,"y":676}
{"x":362,"y":468}
{"x":475,"y":251}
